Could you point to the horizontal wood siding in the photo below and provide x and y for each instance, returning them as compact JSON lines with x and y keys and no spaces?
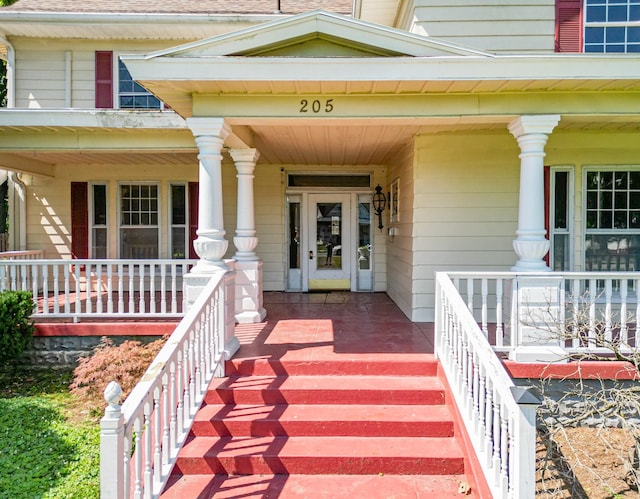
{"x":466,"y":208}
{"x":400,"y":247}
{"x":40,"y":69}
{"x":490,"y":25}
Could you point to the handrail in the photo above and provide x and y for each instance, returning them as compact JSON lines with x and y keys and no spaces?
{"x":501,"y":427}
{"x":22,"y":255}
{"x":98,"y":288}
{"x":140,"y":440}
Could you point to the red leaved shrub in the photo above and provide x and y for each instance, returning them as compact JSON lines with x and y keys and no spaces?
{"x":125,"y":363}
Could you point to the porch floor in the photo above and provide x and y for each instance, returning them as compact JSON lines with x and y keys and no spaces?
{"x":334,"y":326}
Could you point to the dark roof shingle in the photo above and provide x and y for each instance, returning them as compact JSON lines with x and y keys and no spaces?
{"x":180,"y":6}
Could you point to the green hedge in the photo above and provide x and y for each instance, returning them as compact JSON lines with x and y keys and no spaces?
{"x":16,"y":326}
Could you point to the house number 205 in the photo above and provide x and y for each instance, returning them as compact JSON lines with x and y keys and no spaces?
{"x":316,"y":106}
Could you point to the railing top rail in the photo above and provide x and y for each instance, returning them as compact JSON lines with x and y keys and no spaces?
{"x":492,"y":364}
{"x":160,"y":364}
{"x":564,"y":275}
{"x":111,"y":261}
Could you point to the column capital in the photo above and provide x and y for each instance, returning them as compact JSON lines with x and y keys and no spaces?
{"x":244,"y":155}
{"x":533,"y":124}
{"x":209,"y":126}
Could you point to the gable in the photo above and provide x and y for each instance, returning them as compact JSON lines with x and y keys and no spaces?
{"x":318,"y":34}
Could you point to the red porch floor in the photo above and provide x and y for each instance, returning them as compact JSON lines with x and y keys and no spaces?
{"x":334,"y":325}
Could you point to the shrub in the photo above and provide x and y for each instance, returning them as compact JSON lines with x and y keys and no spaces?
{"x":125,"y":363}
{"x":16,"y":326}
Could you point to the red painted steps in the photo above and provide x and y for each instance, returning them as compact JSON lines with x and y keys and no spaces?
{"x":274,"y":424}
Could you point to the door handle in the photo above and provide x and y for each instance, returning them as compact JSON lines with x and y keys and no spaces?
{"x":310,"y":255}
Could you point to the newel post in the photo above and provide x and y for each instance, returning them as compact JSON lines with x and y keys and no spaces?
{"x":522,"y":474}
{"x":112,"y":445}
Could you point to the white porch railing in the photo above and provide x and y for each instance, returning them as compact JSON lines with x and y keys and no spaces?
{"x":591,"y":301}
{"x":499,"y":417}
{"x":98,"y":288}
{"x":22,"y":255}
{"x":140,"y":440}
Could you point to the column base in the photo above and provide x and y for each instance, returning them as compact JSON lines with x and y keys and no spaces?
{"x":249,"y":307}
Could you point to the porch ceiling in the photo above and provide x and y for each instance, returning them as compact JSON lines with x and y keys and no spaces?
{"x":287,"y":141}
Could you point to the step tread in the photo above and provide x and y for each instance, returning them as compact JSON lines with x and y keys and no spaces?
{"x":316,"y":486}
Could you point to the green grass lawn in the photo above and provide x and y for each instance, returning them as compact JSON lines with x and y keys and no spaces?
{"x":46,"y":450}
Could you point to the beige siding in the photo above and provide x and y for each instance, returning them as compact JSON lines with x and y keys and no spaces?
{"x":466,"y":208}
{"x":490,"y":25}
{"x":41,"y":69}
{"x":399,"y":246}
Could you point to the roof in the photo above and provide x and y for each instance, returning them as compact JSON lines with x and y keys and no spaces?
{"x":180,"y":6}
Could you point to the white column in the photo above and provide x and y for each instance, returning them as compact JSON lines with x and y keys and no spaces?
{"x":211,"y":244}
{"x":249,"y":304}
{"x":245,"y":240}
{"x":530,"y":244}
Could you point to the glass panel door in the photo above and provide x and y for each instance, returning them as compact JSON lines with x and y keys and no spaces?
{"x":330,"y":245}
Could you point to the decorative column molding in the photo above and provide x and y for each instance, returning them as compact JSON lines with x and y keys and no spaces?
{"x":530,"y":244}
{"x":245,"y":240}
{"x":249,"y":304}
{"x":211,"y":244}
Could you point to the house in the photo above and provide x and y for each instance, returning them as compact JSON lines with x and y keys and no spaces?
{"x":502,"y":136}
{"x":454,"y":111}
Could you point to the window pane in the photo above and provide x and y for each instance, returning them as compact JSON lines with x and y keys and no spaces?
{"x":99,"y":204}
{"x":178,"y":204}
{"x":617,"y":13}
{"x":594,"y":35}
{"x":99,"y":242}
{"x":178,"y":242}
{"x":561,"y":252}
{"x":139,"y":243}
{"x":561,"y":199}
{"x":596,"y":14}
{"x":294,"y":235}
{"x":364,"y":236}
{"x":611,"y":253}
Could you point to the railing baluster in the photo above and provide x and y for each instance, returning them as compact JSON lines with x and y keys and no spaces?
{"x":485,"y":293}
{"x":87,"y":288}
{"x":45,"y":289}
{"x":99,"y":305}
{"x":141,"y":301}
{"x":77,"y":301}
{"x":120,"y":288}
{"x":593,"y":292}
{"x":67,"y":290}
{"x":608,"y":292}
{"x":132,"y":277}
{"x":174,"y":281}
{"x":163,"y":288}
{"x":152,"y":288}
{"x":499,"y":318}
{"x":109,"y":288}
{"x":56,"y":289}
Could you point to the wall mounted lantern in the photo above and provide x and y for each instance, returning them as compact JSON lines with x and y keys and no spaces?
{"x":379,"y":204}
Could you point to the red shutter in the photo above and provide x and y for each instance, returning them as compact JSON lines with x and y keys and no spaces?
{"x":79,"y":220}
{"x":568,"y":25}
{"x":104,"y":79}
{"x":547,"y":206}
{"x":193,"y":217}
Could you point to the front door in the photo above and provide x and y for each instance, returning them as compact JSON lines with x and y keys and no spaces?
{"x":330,"y":243}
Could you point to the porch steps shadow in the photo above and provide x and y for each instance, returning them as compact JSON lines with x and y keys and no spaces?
{"x":280,"y":428}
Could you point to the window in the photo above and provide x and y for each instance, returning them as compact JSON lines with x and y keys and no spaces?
{"x":139,"y":229}
{"x":132,"y":95}
{"x":98,"y":221}
{"x":178,"y":221}
{"x":612,"y":215}
{"x":612,"y":26}
{"x":560,"y":219}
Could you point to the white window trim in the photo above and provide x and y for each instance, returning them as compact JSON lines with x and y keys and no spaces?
{"x":570,"y":212}
{"x":171,"y":225}
{"x":91,"y":215}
